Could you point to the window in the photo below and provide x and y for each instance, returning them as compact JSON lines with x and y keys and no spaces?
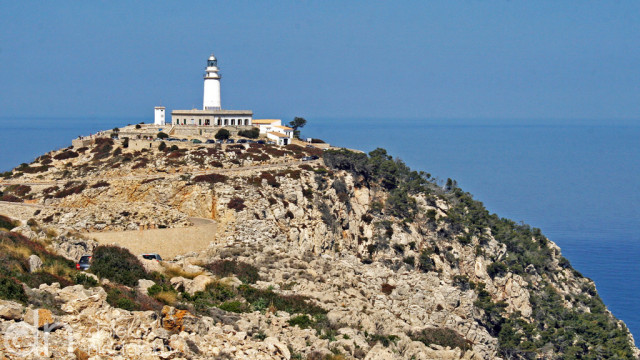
{"x":233,"y":121}
{"x":226,"y":122}
{"x":199,"y":121}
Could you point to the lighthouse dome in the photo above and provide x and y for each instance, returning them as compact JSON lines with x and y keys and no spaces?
{"x":212,"y":57}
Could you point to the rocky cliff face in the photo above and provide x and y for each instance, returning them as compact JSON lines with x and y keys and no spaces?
{"x":402,"y":266}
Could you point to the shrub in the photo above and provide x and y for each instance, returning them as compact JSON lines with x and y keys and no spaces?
{"x":70,"y":189}
{"x":253,"y":133}
{"x":102,"y":149}
{"x":84,"y":280}
{"x":425,"y":262}
{"x":7,"y":223}
{"x":11,"y":289}
{"x":245,"y":272}
{"x":236,"y":204}
{"x":222,"y":134}
{"x":234,"y":306}
{"x":162,"y":146}
{"x":210,"y":178}
{"x":138,"y":126}
{"x":293,"y":304}
{"x":100,"y":184}
{"x":10,"y":198}
{"x":387,"y":289}
{"x":496,"y":269}
{"x":67,"y":154}
{"x":162,"y":135}
{"x":117,"y":264}
{"x":409,"y":260}
{"x":301,"y":321}
{"x":442,"y":337}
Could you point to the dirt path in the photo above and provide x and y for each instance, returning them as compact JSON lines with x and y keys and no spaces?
{"x":166,"y":242}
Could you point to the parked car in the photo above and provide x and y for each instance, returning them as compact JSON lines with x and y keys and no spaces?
{"x":307,"y":158}
{"x":230,"y":141}
{"x":84,"y":263}
{"x":210,"y":141}
{"x":196,"y":141}
{"x":261,"y":142}
{"x":242,"y":141}
{"x":151,"y":257}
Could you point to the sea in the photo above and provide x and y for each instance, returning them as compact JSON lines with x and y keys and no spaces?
{"x":577,"y":180}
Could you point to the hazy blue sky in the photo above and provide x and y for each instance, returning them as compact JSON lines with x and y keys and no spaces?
{"x":422,"y":59}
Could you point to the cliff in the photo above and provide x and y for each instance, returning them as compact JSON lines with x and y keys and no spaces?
{"x":348,"y":256}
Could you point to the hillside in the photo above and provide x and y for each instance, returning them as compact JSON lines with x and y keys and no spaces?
{"x":352,"y":255}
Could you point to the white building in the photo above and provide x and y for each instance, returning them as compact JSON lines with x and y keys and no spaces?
{"x":275,"y":131}
{"x":212,"y":113}
{"x":158,"y":115}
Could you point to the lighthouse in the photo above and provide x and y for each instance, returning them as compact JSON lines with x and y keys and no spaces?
{"x":211,"y":113}
{"x":211,"y":99}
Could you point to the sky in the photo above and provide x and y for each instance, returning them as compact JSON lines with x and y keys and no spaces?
{"x":360,"y":59}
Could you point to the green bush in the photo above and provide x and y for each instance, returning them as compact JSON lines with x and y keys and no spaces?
{"x":496,"y":269}
{"x":11,"y":289}
{"x":117,"y":264}
{"x":84,"y":280}
{"x":162,"y":146}
{"x":293,"y":304}
{"x":162,"y":135}
{"x":442,"y":337}
{"x":222,"y":134}
{"x":425,"y":262}
{"x":253,"y":133}
{"x":234,"y":306}
{"x":301,"y":321}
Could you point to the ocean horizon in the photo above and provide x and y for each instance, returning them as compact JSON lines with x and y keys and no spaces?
{"x":577,"y":180}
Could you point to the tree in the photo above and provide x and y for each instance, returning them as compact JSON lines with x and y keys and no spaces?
{"x":162,"y":135}
{"x":222,"y":134}
{"x":297,"y":123}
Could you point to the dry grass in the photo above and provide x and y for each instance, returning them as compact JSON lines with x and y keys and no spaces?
{"x":51,"y":232}
{"x":59,"y":270}
{"x":167,"y":297}
{"x":21,"y":251}
{"x":175,"y":270}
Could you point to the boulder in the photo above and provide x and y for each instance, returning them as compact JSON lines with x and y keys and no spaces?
{"x":10,"y":310}
{"x":144,"y":285}
{"x":173,"y":319}
{"x":35,"y":263}
{"x":198,"y":284}
{"x":276,"y":347}
{"x":39,"y":318}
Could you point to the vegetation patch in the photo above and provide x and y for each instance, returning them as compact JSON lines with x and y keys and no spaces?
{"x":210,"y":178}
{"x":236,"y":204}
{"x":247,"y":273}
{"x":442,"y":337}
{"x":117,"y":264}
{"x":67,"y":154}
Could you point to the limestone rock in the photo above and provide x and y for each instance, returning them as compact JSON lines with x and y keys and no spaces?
{"x":10,"y":310}
{"x":144,"y":285}
{"x":39,"y":318}
{"x":35,"y":263}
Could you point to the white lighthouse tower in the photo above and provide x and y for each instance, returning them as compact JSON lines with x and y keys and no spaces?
{"x":211,"y":99}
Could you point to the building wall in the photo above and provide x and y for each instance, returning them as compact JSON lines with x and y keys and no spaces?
{"x":214,"y":120}
{"x":211,"y":97}
{"x":159,"y":116}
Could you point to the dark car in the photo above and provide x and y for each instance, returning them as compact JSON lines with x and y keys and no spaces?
{"x":151,"y":257}
{"x":261,"y":142}
{"x":210,"y":141}
{"x":230,"y":141}
{"x":242,"y":141}
{"x":84,"y":263}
